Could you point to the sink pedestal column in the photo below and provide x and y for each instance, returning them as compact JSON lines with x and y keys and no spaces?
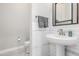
{"x":60,"y":50}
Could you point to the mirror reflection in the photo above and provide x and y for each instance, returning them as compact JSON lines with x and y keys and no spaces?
{"x":63,"y":11}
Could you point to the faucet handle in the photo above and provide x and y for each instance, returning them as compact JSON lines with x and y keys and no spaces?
{"x":61,"y":32}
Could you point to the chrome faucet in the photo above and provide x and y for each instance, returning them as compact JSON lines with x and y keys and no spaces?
{"x":61,"y":32}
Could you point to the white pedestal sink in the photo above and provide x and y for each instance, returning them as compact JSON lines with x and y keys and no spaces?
{"x":61,"y":42}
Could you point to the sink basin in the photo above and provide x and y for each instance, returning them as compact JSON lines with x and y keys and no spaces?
{"x":63,"y":40}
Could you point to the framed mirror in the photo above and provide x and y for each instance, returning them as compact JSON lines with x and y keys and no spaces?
{"x":65,"y":14}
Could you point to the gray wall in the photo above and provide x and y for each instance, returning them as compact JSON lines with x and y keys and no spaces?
{"x":14,"y":23}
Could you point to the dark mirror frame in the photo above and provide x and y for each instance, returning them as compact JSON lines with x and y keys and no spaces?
{"x":55,"y":22}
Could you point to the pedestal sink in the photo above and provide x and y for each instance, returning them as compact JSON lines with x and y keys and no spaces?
{"x":61,"y":41}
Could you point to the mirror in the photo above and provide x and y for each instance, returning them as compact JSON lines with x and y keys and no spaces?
{"x":65,"y":14}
